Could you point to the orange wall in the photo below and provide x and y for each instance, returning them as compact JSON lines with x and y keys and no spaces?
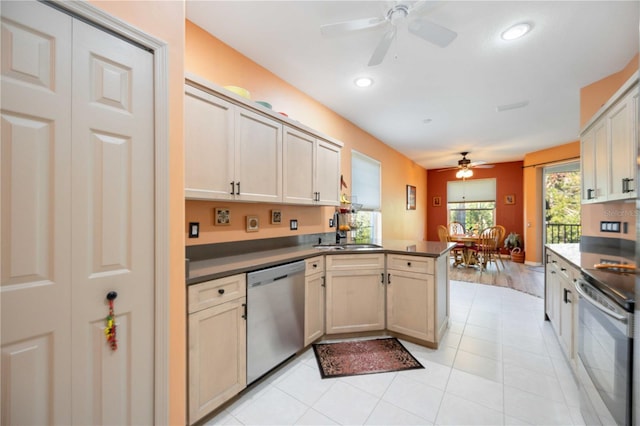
{"x":160,"y":21}
{"x":209,"y":58}
{"x":508,"y":182}
{"x":534,"y":163}
{"x":593,"y":96}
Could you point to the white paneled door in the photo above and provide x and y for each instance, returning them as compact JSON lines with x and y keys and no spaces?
{"x":77,"y":214}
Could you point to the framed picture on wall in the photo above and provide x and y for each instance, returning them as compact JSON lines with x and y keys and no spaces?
{"x":510,"y":199}
{"x":276,"y":217}
{"x":222,"y":216}
{"x":437,"y":201}
{"x":411,"y":197}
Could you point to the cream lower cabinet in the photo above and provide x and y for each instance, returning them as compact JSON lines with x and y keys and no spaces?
{"x":217,"y":343}
{"x":355,"y":293}
{"x":561,"y":303}
{"x":410,"y":293}
{"x":314,"y":299}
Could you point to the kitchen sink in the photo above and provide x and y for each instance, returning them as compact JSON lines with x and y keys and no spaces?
{"x":331,"y":247}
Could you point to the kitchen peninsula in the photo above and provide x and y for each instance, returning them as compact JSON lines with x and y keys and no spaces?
{"x":396,"y":287}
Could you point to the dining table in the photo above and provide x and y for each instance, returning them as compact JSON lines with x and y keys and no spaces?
{"x":469,"y":241}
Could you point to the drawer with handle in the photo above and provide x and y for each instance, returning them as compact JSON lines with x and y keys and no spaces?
{"x":420,"y":264}
{"x":214,"y":292}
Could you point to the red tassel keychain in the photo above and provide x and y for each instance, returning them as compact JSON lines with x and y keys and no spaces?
{"x":110,"y":329}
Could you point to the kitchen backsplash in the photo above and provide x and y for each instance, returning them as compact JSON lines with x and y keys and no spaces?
{"x":623,"y":212}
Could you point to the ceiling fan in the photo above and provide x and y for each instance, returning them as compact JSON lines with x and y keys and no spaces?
{"x":465,"y":165}
{"x":423,"y":28}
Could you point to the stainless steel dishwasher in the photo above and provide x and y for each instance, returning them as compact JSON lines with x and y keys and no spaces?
{"x":275,"y":317}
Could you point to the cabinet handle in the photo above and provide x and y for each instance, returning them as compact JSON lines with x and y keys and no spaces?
{"x":553,"y":272}
{"x":221,"y":290}
{"x":590,"y":194}
{"x":382,"y":277}
{"x":324,"y":282}
{"x":625,"y":185}
{"x":566,"y":292}
{"x":408,"y":263}
{"x":315,"y":265}
{"x":563,"y":269}
{"x":244,"y":305}
{"x":389,"y":279}
{"x":238,"y":186}
{"x":233,"y":186}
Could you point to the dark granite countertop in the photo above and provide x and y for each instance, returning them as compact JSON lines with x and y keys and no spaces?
{"x":218,"y":267}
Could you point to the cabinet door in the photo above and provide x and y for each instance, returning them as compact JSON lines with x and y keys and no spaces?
{"x":355,"y":300}
{"x":217,"y":357}
{"x":298,"y":167}
{"x":622,"y":149}
{"x":314,"y":307}
{"x":410,"y":304}
{"x":567,"y":326}
{"x":552,"y":294}
{"x":209,"y":146}
{"x":328,"y":173}
{"x":258,"y":157}
{"x":588,"y":165}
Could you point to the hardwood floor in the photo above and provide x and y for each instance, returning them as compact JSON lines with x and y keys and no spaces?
{"x":518,"y":276}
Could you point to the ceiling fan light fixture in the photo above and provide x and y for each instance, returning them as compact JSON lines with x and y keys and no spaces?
{"x":363,"y":82}
{"x":516,"y":31}
{"x":464,"y":173}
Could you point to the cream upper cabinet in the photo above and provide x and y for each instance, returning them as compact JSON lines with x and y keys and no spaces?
{"x":258,"y":157}
{"x":355,"y":293}
{"x":608,"y":148}
{"x":621,"y":122}
{"x":311,"y":169}
{"x":237,"y":150}
{"x":209,"y":146}
{"x":230,"y":153}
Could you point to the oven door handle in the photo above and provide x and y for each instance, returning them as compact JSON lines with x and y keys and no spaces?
{"x":617,"y":316}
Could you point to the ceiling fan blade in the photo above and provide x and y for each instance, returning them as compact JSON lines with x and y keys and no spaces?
{"x":383,"y":47}
{"x":432,"y":32}
{"x":484,"y":166}
{"x":344,"y":27}
{"x":447,"y":169}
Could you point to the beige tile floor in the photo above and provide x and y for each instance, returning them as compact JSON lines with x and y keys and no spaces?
{"x":499,"y":364}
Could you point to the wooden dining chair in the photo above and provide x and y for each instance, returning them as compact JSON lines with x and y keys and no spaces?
{"x":456,"y":228}
{"x":457,"y":254}
{"x":501,"y":234}
{"x":487,"y":247}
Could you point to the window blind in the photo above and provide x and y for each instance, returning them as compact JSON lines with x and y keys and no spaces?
{"x":471,"y":190}
{"x":365,"y":181}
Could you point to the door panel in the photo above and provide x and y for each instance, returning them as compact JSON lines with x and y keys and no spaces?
{"x":113,"y":228}
{"x":35,"y":286}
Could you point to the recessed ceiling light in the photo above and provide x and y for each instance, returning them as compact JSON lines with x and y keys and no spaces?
{"x":516,"y":31}
{"x":363,"y":81}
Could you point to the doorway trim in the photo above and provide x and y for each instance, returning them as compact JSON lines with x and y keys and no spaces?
{"x":159,"y":48}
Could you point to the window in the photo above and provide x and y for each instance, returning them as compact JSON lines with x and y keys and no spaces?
{"x":474,"y":216}
{"x":365,"y":195}
{"x":472,"y":203}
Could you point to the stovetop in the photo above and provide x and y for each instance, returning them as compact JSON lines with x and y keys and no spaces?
{"x":618,"y":284}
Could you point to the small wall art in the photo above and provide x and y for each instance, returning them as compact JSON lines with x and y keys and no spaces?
{"x":437,"y":201}
{"x":411,"y":197}
{"x":510,"y":199}
{"x":222,"y":216}
{"x":253,"y":224}
{"x":276,"y":217}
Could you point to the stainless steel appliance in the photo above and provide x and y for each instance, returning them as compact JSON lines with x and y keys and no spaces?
{"x":605,"y":345}
{"x":275,"y":317}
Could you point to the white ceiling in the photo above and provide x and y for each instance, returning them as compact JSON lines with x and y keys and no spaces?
{"x":572,"y":44}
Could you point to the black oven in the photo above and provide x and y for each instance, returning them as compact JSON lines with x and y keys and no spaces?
{"x":605,"y":349}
